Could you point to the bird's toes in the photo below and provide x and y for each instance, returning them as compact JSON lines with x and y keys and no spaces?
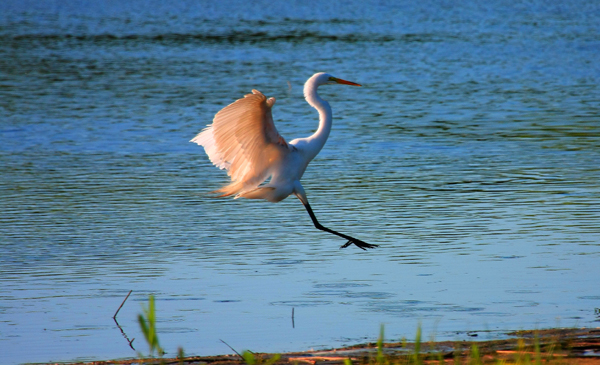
{"x":365,"y":245}
{"x":360,"y":244}
{"x":346,"y":244}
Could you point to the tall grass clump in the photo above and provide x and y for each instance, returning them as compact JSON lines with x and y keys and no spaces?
{"x":525,"y":354}
{"x":147,"y":322}
{"x":251,"y":359}
{"x":381,"y":360}
{"x":414,"y":358}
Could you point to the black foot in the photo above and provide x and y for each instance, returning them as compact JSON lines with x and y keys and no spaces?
{"x":360,"y":244}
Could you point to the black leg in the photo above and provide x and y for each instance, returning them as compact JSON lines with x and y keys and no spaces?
{"x":351,"y":240}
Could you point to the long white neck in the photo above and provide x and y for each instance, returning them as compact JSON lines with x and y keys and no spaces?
{"x":318,"y":139}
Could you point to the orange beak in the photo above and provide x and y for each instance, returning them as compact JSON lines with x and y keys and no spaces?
{"x":340,"y":81}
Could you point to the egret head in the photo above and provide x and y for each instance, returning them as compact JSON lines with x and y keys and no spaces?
{"x":323,"y":78}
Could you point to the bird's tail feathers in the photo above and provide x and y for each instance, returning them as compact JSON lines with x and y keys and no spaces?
{"x":258,"y":193}
{"x":242,"y":191}
{"x":234,"y":188}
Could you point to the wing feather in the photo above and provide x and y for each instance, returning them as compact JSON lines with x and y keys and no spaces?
{"x":244,"y":141}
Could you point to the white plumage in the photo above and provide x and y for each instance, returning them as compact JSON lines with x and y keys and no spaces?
{"x":244,"y":141}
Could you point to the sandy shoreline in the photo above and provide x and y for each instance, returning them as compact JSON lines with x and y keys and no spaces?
{"x":557,"y":346}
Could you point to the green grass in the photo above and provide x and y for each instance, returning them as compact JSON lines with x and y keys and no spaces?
{"x":147,"y":321}
{"x":523,"y":353}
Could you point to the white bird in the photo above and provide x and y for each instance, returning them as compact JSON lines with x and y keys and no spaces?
{"x":244,"y":141}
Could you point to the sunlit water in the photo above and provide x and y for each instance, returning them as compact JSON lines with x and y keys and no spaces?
{"x":471,"y":155}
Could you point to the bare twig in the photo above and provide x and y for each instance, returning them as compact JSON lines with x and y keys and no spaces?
{"x":293,"y":324}
{"x":121,"y":306}
{"x":232,"y":349}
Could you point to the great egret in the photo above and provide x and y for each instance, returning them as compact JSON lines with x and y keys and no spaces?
{"x":244,"y":141}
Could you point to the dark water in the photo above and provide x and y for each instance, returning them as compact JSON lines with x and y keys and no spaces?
{"x":471,"y":155}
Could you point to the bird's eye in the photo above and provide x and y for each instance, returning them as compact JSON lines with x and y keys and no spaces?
{"x":332,"y":78}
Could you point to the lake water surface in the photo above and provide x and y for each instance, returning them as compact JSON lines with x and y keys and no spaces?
{"x":471,"y":155}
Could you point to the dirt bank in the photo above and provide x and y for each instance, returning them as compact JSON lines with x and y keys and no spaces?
{"x":555,"y":346}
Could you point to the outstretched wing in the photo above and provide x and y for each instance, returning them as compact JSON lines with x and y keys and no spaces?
{"x":244,"y":141}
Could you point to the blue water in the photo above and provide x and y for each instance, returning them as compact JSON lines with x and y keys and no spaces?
{"x":471,"y":155}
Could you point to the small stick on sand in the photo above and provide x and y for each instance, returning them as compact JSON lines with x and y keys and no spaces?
{"x":121,"y":306}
